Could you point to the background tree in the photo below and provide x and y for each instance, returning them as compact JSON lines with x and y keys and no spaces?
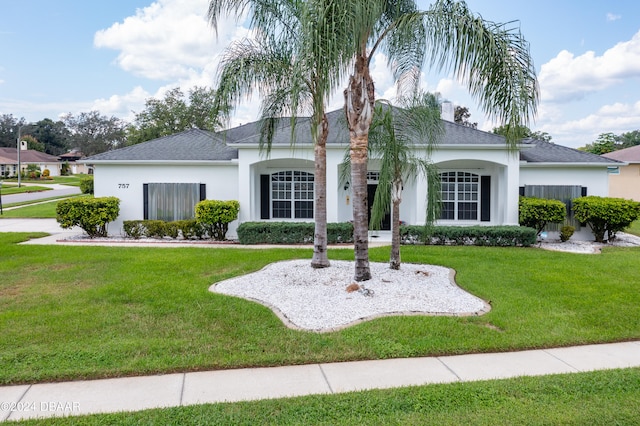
{"x":627,"y":140}
{"x":523,"y":132}
{"x":33,"y":143}
{"x":9,"y":130}
{"x":173,"y":114}
{"x":392,"y":139}
{"x":605,"y":143}
{"x":53,"y":134}
{"x":295,"y":68}
{"x":461,"y":115}
{"x":92,"y":133}
{"x":493,"y":61}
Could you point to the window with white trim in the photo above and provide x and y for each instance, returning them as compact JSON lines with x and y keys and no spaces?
{"x":460,"y":193}
{"x":292,"y":195}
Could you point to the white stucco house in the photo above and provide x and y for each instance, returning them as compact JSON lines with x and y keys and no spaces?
{"x":481,"y":178}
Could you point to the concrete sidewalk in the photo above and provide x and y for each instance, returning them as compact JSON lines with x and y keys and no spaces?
{"x":181,"y":389}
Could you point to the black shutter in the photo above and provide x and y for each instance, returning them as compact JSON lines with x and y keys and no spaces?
{"x":521,"y":192}
{"x":583,"y":191}
{"x":485,"y":198}
{"x":203,"y":191}
{"x":265,"y":199}
{"x":145,"y":198}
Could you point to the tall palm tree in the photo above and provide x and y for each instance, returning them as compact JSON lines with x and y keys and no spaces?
{"x":290,"y":63}
{"x":394,"y":136}
{"x":493,"y":61}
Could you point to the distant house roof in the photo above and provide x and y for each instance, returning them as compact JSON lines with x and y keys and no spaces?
{"x":537,"y":151}
{"x":190,"y":145}
{"x":628,"y":155}
{"x":10,"y":156}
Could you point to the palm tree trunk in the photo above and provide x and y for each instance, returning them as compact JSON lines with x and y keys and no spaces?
{"x":359,"y":100}
{"x":320,"y":259}
{"x":394,"y":258}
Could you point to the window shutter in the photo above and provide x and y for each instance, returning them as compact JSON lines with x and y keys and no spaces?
{"x":145,"y":196}
{"x":203,"y":191}
{"x":485,"y":198}
{"x":265,"y":199}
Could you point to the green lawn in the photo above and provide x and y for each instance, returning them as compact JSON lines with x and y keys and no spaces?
{"x":14,"y":189}
{"x":36,"y":209}
{"x":90,"y":312}
{"x":634,"y":228}
{"x":601,"y":398}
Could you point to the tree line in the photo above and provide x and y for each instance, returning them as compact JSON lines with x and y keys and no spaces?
{"x":93,"y":133}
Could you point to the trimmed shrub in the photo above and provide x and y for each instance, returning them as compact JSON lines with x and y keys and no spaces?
{"x":46,"y":173}
{"x":133,"y":228}
{"x":191,"y":229}
{"x":216,"y":215}
{"x":566,"y":232}
{"x":605,"y":215}
{"x":536,"y":213}
{"x":86,"y":185}
{"x":92,"y":215}
{"x":291,"y":233}
{"x":502,"y":236}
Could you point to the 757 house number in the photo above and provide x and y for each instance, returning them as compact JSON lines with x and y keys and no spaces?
{"x":123,"y":185}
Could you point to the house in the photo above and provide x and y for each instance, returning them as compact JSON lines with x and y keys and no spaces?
{"x":71,"y":158}
{"x":481,"y":177}
{"x":9,"y":161}
{"x":624,"y":182}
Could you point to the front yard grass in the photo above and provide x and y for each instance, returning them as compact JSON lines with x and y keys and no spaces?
{"x":38,"y":209}
{"x":601,"y":397}
{"x":72,"y":312}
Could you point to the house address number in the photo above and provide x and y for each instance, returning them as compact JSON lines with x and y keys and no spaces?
{"x":123,"y":185}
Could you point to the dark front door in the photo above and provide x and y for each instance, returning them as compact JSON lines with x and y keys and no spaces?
{"x":371,"y":193}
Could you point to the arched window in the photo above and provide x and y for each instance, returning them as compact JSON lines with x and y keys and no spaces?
{"x":460,"y":196}
{"x":292,"y":195}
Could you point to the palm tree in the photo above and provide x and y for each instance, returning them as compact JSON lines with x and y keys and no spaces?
{"x":393,"y":137}
{"x":491,"y":59}
{"x":294,"y":69}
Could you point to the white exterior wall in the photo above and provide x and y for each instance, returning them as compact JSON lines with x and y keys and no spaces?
{"x":126,"y":183}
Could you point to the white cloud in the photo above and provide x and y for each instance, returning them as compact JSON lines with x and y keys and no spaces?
{"x":613,"y":17}
{"x":568,"y":77}
{"x":168,"y":40}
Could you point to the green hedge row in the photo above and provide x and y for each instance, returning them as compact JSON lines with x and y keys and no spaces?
{"x":468,"y":235}
{"x":291,"y":233}
{"x":186,"y":229}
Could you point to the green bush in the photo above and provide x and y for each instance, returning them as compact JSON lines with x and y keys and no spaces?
{"x":291,"y":233}
{"x":133,"y":228}
{"x":536,"y":213}
{"x":191,"y":229}
{"x":566,"y":232}
{"x":605,"y":215}
{"x":86,"y":185}
{"x":468,"y":235}
{"x":215,"y":216}
{"x":92,"y":215}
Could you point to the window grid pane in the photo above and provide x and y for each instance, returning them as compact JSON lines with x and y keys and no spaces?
{"x":289,"y":187}
{"x":460,"y":195}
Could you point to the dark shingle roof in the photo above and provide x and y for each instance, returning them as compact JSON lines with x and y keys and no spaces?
{"x":249,"y":134}
{"x":190,"y":145}
{"x":536,"y":151}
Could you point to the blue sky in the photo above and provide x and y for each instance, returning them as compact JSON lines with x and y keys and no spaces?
{"x":72,"y":56}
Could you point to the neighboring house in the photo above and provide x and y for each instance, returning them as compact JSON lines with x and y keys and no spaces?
{"x":71,"y":158}
{"x":625,"y":181}
{"x":9,"y":161}
{"x":481,"y":177}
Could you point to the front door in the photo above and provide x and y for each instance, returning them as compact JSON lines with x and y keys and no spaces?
{"x":371,"y":193}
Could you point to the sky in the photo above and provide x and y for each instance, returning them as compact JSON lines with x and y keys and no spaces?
{"x":73,"y":56}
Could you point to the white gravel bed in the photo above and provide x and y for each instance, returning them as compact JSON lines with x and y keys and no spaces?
{"x":318,"y":300}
